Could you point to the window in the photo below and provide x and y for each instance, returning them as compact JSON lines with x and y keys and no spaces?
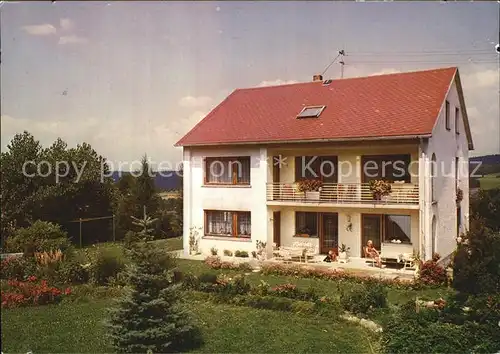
{"x":433,"y":177}
{"x":457,"y":120}
{"x":322,"y":167}
{"x":447,"y":115}
{"x":228,"y":223}
{"x":397,"y":227}
{"x":311,"y":112}
{"x":306,"y":224}
{"x":387,"y":167}
{"x":227,"y":170}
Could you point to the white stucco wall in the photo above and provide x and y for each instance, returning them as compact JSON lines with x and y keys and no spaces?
{"x":199,"y":197}
{"x":447,"y":145}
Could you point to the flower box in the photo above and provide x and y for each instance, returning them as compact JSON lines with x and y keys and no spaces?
{"x":312,"y":195}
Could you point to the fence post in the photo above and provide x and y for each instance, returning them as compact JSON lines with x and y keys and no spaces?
{"x":80,"y":232}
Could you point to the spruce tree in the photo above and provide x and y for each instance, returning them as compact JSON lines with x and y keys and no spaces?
{"x":150,"y":317}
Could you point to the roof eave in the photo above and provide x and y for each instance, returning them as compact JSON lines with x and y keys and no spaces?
{"x":295,"y":141}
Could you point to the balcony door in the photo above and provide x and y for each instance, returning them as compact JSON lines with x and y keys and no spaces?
{"x":371,"y":229}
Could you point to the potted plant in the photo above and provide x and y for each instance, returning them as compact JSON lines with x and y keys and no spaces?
{"x":380,"y":188}
{"x":261,"y":247}
{"x":343,"y":249}
{"x":310,"y":187}
{"x":304,"y":232}
{"x":193,"y":240}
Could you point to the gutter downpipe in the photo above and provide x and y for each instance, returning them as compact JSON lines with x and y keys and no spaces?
{"x":422,"y":204}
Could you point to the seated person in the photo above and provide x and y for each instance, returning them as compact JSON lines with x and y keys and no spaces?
{"x":330,"y":257}
{"x":371,"y":252}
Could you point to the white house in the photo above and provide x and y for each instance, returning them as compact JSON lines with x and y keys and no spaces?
{"x":246,"y":162}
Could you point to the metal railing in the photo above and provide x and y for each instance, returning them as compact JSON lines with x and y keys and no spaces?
{"x":401,"y":193}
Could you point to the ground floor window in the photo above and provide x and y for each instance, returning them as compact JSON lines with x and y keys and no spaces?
{"x":228,"y":223}
{"x":306,"y":224}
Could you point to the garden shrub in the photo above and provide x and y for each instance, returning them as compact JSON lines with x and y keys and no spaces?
{"x":228,"y":253}
{"x":215,"y":262}
{"x":432,"y":273}
{"x":106,"y":263}
{"x":41,"y":236}
{"x":230,"y":286}
{"x":191,"y":281}
{"x":242,"y":254}
{"x":72,"y":272}
{"x":31,"y":292}
{"x":213,"y":251}
{"x":18,"y":267}
{"x":291,"y":291}
{"x":363,"y":298}
{"x":270,"y":303}
{"x":430,"y":331}
{"x":208,"y":278}
{"x":334,"y":274}
{"x":476,"y":265}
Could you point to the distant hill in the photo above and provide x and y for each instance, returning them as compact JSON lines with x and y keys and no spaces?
{"x":165,"y":181}
{"x":487,"y":159}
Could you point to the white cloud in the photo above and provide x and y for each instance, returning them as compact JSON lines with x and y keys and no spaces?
{"x":40,"y":30}
{"x":482,"y":79}
{"x":195,"y":102}
{"x":66,"y":24}
{"x":385,"y":72}
{"x":276,"y":82}
{"x":72,"y":39}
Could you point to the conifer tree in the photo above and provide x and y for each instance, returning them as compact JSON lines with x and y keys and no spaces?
{"x":150,"y":317}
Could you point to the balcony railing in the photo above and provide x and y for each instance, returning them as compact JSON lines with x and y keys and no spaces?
{"x":401,"y":193}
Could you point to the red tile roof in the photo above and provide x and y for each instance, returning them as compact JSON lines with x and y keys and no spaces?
{"x":393,"y":105}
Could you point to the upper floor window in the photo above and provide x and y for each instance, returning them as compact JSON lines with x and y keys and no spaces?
{"x":447,"y":115}
{"x":387,"y":167}
{"x":227,"y":170}
{"x":312,"y":167}
{"x":457,"y":120}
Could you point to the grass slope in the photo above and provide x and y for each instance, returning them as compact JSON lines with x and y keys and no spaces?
{"x":490,"y":181}
{"x":78,"y":327}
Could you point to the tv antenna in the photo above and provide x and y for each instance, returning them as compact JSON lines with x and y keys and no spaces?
{"x":341,"y":54}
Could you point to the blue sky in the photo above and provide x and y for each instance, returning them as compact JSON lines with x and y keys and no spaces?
{"x":132,"y":78}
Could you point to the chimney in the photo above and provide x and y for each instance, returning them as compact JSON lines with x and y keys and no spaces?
{"x":318,"y":77}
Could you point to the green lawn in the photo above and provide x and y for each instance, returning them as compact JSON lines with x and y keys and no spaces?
{"x":490,"y":181}
{"x":78,"y":327}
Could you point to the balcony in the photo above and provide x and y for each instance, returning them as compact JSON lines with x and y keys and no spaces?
{"x":403,"y":195}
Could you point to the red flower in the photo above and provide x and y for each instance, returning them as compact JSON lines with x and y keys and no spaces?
{"x":32,"y":278}
{"x":67,"y":291}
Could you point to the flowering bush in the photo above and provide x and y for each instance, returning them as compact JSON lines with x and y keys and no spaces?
{"x":31,"y":292}
{"x":17,"y":267}
{"x":215,"y":262}
{"x":332,"y":274}
{"x":309,"y":185}
{"x":379,"y":188}
{"x":291,"y":291}
{"x":431,"y":273}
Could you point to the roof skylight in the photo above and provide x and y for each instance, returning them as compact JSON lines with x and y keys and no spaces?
{"x":311,"y":112}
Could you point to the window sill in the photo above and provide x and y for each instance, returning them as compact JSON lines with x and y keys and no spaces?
{"x":304,"y":236}
{"x":227,"y":185}
{"x":226,"y":238}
